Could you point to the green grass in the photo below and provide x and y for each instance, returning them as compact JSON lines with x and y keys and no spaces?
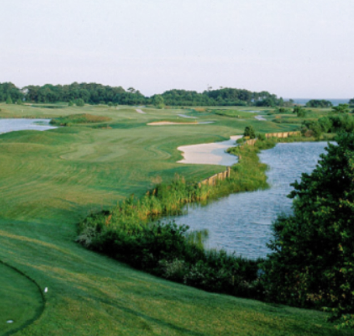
{"x":74,"y":119}
{"x":21,"y":301}
{"x":50,"y":181}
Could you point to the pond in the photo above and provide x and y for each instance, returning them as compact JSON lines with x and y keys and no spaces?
{"x":18,"y":124}
{"x":241,"y":222}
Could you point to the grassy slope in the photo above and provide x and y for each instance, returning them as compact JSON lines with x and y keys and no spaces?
{"x":50,"y":180}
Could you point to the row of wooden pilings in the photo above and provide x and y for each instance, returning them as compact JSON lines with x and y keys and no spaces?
{"x":273,"y":135}
{"x":212,"y":179}
{"x":281,"y":135}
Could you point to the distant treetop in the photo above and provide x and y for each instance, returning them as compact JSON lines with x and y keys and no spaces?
{"x":93,"y":93}
{"x":322,"y":103}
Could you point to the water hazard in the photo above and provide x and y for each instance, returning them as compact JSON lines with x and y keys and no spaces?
{"x":242,"y":222}
{"x":18,"y":124}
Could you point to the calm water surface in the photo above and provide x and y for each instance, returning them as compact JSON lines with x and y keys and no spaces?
{"x":18,"y":124}
{"x":242,"y":222}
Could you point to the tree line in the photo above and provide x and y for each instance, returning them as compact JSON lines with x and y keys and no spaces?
{"x":93,"y":93}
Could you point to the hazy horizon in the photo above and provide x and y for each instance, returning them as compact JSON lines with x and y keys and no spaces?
{"x":292,"y":49}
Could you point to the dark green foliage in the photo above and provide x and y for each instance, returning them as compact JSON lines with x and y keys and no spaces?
{"x":332,"y":124}
{"x":351,"y":102}
{"x":93,"y":93}
{"x":312,"y":262}
{"x":79,"y":102}
{"x":159,"y":101}
{"x":9,"y":89}
{"x":300,"y":111}
{"x":249,"y":132}
{"x":341,"y":108}
{"x":9,"y":100}
{"x":268,"y":102}
{"x":70,"y":103}
{"x":321,"y":103}
{"x":166,"y":250}
{"x":282,"y":110}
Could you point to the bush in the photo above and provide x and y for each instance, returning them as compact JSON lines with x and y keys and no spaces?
{"x":80,"y":102}
{"x":249,"y":132}
{"x":300,"y":111}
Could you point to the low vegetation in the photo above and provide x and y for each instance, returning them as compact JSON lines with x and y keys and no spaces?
{"x":83,"y":118}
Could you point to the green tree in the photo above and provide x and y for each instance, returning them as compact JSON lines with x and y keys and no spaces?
{"x":300,"y":111}
{"x":341,"y":108}
{"x":312,"y":263}
{"x":9,"y":100}
{"x":321,"y":103}
{"x":159,"y":101}
{"x":249,"y":132}
{"x":80,"y":102}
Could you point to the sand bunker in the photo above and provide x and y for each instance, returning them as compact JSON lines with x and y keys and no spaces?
{"x":140,"y":111}
{"x":159,"y":123}
{"x":259,"y":117}
{"x":210,"y":153}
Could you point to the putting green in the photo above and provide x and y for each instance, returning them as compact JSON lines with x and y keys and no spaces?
{"x":21,"y":301}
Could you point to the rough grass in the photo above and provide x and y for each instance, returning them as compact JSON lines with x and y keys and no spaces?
{"x":51,"y":180}
{"x":83,"y":118}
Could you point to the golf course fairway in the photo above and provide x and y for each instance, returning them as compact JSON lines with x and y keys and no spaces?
{"x":51,"y":180}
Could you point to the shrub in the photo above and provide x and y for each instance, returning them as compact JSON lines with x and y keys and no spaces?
{"x":300,"y":111}
{"x":249,"y":132}
{"x":80,"y":102}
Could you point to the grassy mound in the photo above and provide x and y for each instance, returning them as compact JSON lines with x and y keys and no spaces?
{"x":83,"y":118}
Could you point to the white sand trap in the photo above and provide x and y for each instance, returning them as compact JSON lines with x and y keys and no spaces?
{"x":140,"y":111}
{"x":210,"y":153}
{"x":259,"y":117}
{"x":160,"y":123}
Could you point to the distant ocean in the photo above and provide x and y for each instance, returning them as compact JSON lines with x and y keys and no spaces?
{"x":335,"y":102}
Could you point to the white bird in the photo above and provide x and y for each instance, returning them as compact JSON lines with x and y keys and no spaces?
{"x":46,"y":290}
{"x":9,"y":321}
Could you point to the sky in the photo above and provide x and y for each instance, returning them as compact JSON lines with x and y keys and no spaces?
{"x":293,"y":48}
